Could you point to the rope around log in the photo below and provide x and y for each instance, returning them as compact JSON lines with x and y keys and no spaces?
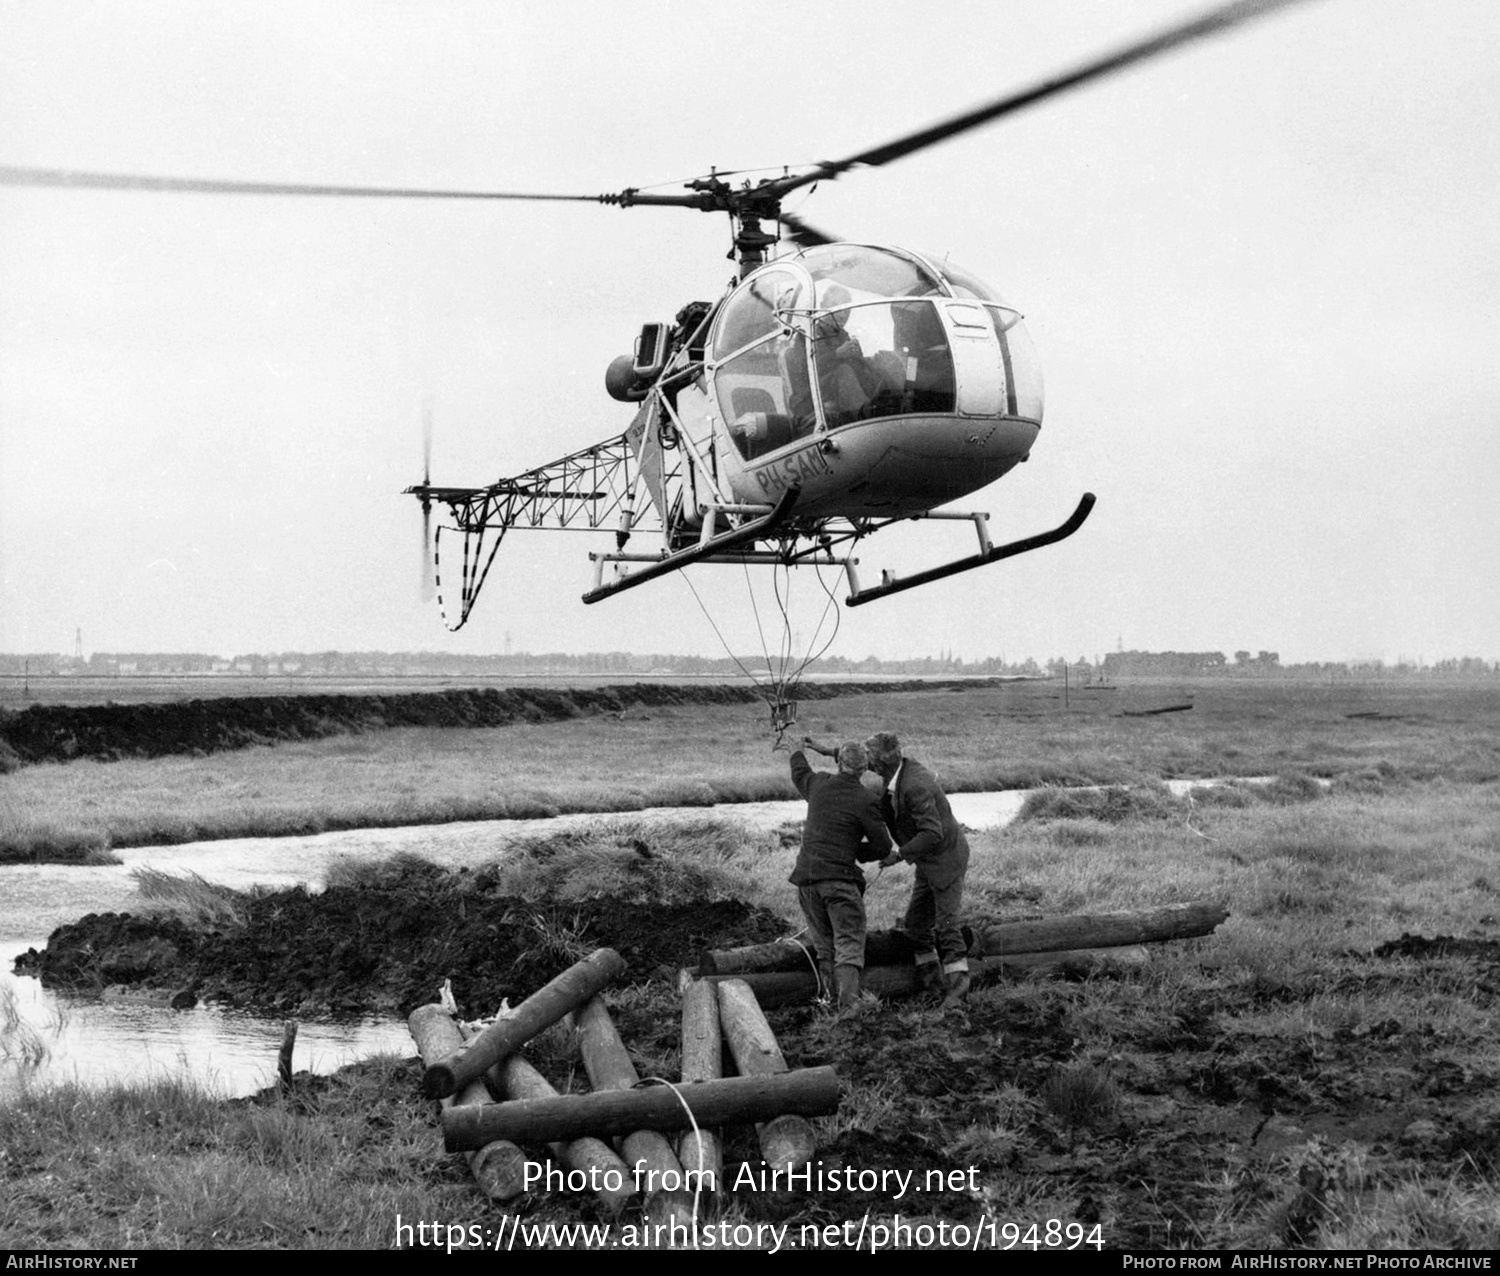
{"x":823,"y":992}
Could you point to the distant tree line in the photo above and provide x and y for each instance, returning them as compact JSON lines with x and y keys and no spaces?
{"x":395,"y":664}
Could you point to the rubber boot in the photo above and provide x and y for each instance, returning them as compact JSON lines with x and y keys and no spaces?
{"x":847,"y":980}
{"x":930,"y":976}
{"x":958,"y":988}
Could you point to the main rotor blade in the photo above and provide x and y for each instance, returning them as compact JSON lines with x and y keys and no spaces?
{"x":802,"y":233}
{"x":12,"y":176}
{"x":1206,"y":24}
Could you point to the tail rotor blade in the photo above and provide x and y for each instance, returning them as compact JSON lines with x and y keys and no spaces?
{"x":429,"y":573}
{"x":426,"y":442}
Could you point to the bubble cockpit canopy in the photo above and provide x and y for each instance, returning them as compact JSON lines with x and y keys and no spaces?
{"x":841,"y":333}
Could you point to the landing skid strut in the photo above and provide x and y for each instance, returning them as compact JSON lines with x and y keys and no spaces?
{"x":988,"y":553}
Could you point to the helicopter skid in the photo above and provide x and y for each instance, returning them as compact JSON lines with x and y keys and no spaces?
{"x":988,"y":553}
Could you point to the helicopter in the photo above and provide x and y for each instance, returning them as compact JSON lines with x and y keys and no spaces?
{"x":827,"y":394}
{"x":835,"y":388}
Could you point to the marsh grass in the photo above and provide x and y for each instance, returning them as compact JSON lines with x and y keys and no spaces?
{"x":1081,"y":1094}
{"x":47,"y":840}
{"x":1000,"y":1133}
{"x":1016,"y":736}
{"x":355,"y":872}
{"x":645,"y":861}
{"x":1111,"y":804}
{"x":200,"y":903}
{"x":165,"y":1162}
{"x":23,"y":1045}
{"x":1456,"y":1211}
{"x":869,"y":1108}
{"x":1329,"y":1196}
{"x":560,"y":938}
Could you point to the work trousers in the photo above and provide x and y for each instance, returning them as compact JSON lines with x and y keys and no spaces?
{"x":835,"y":913}
{"x":932,"y":922}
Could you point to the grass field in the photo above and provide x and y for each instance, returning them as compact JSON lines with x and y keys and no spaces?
{"x":1013,"y":736}
{"x":1322,"y":1072}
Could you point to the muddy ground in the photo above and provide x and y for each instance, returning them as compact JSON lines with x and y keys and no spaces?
{"x":1160,"y":1126}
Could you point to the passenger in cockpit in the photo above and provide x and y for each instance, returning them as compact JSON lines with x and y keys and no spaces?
{"x":921,"y":340}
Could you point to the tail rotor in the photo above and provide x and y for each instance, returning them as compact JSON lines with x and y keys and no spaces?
{"x":429,"y":575}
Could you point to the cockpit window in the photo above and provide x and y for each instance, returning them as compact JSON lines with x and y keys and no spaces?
{"x":765,"y":396}
{"x":872,"y":359}
{"x":751,"y":313}
{"x":870,"y":272}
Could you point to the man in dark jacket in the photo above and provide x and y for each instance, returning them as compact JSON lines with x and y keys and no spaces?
{"x":929,"y":839}
{"x":843,"y":826}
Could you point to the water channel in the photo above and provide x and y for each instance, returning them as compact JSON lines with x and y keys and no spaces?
{"x":96,"y":1041}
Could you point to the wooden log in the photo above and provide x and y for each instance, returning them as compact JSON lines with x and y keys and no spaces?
{"x":1103,"y":930}
{"x":882,"y":948}
{"x":1053,"y":934}
{"x":539,"y":1011}
{"x":787,"y":1141}
{"x":783,"y":954}
{"x":666,"y":1194}
{"x":607,"y":1175}
{"x":284,"y":1055}
{"x":733,"y":1100}
{"x":752,"y":1044}
{"x":499,"y":1166}
{"x":702,"y":1060}
{"x":776,"y":989}
{"x":1149,"y":713}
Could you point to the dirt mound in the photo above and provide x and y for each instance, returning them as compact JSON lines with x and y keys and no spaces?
{"x":105,"y":949}
{"x":386,"y":942}
{"x":59,"y":733}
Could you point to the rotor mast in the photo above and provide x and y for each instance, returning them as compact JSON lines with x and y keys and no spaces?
{"x":748,"y":207}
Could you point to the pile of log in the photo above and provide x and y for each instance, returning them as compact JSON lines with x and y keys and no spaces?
{"x":656,"y":1143}
{"x":628,"y":1141}
{"x":785,"y":972}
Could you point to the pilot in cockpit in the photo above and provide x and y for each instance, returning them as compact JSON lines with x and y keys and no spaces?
{"x":846,"y":380}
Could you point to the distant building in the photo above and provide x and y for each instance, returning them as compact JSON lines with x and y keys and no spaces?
{"x":1177,"y":664}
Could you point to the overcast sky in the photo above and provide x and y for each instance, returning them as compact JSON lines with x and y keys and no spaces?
{"x":1262,"y":274}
